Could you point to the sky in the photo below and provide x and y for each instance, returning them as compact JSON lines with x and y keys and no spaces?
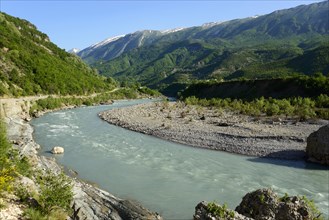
{"x":81,"y":23}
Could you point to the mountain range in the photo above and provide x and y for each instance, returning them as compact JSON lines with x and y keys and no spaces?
{"x":267,"y":46}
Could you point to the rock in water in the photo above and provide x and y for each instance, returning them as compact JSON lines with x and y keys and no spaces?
{"x":317,"y":149}
{"x":57,"y":150}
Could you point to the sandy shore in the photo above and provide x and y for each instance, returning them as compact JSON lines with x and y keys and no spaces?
{"x":217,"y":129}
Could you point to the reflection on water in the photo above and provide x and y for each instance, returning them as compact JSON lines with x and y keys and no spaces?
{"x":166,"y":177}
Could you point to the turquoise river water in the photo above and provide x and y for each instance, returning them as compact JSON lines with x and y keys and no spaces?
{"x":166,"y":177}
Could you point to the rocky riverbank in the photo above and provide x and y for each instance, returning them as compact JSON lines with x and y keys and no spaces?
{"x":89,"y":201}
{"x":217,"y":129}
{"x":258,"y":205}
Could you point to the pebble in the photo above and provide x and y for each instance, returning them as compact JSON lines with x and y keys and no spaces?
{"x":242,"y":132}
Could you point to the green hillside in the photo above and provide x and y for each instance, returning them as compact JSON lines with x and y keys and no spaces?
{"x":30,"y":64}
{"x":285,"y":62}
{"x":280,"y":44}
{"x":186,"y":62}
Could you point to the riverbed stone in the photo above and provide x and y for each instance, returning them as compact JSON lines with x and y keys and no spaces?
{"x":317,"y":149}
{"x":226,"y":132}
{"x":57,"y":150}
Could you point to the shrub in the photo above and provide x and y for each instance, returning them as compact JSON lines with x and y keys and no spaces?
{"x":272,"y":109}
{"x":317,"y":215}
{"x":322,"y":101}
{"x":56,"y":191}
{"x":192,"y":100}
{"x":323,"y":113}
{"x":304,"y":108}
{"x":220,"y":211}
{"x":22,"y":193}
{"x":6,"y":178}
{"x":33,"y":214}
{"x":7,"y":162}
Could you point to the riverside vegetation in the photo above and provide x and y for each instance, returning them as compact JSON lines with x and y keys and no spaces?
{"x":51,"y":103}
{"x":299,"y":108}
{"x":53,"y":199}
{"x":300,"y":97}
{"x":52,"y":195}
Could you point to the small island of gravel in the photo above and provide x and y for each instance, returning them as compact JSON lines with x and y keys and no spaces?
{"x":217,"y":129}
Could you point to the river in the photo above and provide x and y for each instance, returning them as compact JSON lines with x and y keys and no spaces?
{"x":166,"y":177}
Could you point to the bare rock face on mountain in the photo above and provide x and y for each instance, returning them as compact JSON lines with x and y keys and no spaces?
{"x":317,"y":149}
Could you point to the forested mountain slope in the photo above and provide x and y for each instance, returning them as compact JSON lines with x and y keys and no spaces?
{"x":31,"y":64}
{"x":279,"y":44}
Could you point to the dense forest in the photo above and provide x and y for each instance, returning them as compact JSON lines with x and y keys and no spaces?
{"x":281,"y":44}
{"x":302,"y":86}
{"x":30,"y":64}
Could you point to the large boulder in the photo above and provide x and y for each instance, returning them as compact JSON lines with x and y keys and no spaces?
{"x":317,"y":149}
{"x":294,"y":207}
{"x":260,"y":204}
{"x":57,"y":150}
{"x":264,"y":204}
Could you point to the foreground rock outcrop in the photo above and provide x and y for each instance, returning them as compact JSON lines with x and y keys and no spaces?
{"x":262,"y":204}
{"x":93,"y":203}
{"x":317,"y":149}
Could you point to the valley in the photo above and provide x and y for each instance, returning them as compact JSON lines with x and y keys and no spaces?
{"x":195,"y":113}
